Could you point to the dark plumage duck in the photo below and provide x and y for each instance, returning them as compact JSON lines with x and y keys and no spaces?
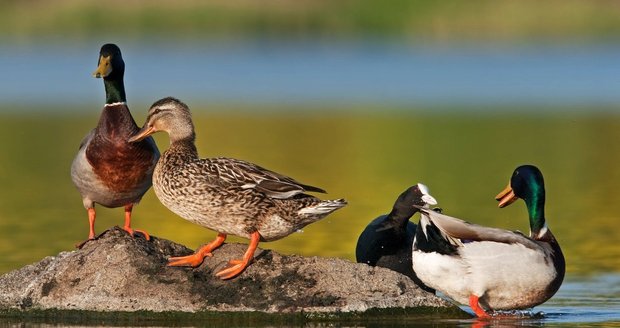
{"x":387,"y":240}
{"x":108,"y":170}
{"x":490,"y":268}
{"x":226,"y":195}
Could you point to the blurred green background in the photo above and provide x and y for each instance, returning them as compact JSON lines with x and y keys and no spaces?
{"x":362,"y":98}
{"x":449,"y":20}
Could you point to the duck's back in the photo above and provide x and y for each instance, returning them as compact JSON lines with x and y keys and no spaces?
{"x":388,"y":247}
{"x":381,"y":244}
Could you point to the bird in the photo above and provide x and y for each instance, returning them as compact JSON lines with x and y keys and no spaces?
{"x":226,"y":195}
{"x":108,"y":170}
{"x":492,"y":269}
{"x":387,"y":240}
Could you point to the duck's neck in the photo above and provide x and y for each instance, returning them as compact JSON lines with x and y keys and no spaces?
{"x":114,"y":90}
{"x":181,"y":151}
{"x":536,"y":211}
{"x":399,"y":217}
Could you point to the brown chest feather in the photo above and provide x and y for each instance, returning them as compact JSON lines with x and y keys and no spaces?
{"x":120,"y":165}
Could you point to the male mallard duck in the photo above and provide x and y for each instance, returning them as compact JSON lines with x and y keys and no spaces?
{"x":108,"y":170}
{"x":490,"y":268}
{"x":226,"y":195}
{"x":387,"y":240}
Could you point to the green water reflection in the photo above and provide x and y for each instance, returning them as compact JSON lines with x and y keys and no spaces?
{"x":367,"y":158}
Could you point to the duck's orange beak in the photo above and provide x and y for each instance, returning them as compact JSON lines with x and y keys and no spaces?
{"x":506,"y":197}
{"x":143,"y":133}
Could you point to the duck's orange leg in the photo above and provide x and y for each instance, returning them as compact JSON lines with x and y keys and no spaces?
{"x":235,"y":267}
{"x":127,"y":227}
{"x":91,"y":227}
{"x":196,"y":259}
{"x":91,"y":223}
{"x":479,"y":311}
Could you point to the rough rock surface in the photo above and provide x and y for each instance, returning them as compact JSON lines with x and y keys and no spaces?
{"x":119,"y":273}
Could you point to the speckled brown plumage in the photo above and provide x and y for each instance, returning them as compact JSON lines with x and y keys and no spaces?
{"x":227,"y":195}
{"x":210,"y":192}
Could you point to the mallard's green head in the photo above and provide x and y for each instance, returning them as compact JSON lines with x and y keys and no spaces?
{"x":110,"y":64}
{"x":169,"y":115}
{"x":528,"y":184}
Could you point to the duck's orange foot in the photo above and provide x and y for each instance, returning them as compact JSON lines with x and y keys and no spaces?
{"x":196,"y":259}
{"x":135,"y":232}
{"x":475,"y":306}
{"x":193,"y":260}
{"x":233,"y":269}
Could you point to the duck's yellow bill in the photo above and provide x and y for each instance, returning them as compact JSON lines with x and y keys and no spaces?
{"x":506,"y":197}
{"x":105,"y":67}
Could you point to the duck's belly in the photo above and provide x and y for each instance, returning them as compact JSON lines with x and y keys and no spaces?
{"x":504,"y":276}
{"x":444,"y":273}
{"x":94,"y":191}
{"x":224,"y":213}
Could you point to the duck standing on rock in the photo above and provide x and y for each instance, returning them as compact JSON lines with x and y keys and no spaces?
{"x":387,"y":240}
{"x":490,"y":268}
{"x":226,"y":195}
{"x":108,"y":170}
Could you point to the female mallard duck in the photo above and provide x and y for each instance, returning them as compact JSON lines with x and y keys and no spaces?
{"x":227,"y":195}
{"x":387,"y":240}
{"x":108,"y":170}
{"x":492,"y":269}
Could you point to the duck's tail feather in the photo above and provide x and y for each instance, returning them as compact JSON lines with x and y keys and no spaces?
{"x":323,"y":208}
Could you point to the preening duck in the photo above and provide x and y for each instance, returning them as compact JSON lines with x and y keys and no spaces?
{"x":387,"y":240}
{"x":226,"y":195}
{"x":490,"y":268}
{"x":108,"y":170}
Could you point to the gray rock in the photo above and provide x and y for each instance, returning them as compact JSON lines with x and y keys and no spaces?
{"x":119,"y":273}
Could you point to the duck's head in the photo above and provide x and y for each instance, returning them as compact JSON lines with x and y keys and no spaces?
{"x":416,"y":195}
{"x":528,"y":184}
{"x":169,"y":115}
{"x":407,"y":204}
{"x":110,"y":63}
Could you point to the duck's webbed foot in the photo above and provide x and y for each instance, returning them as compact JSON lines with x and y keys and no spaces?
{"x":235,"y":267}
{"x":198,"y":257}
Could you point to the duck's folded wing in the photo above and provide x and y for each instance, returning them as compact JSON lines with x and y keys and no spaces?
{"x":247,"y":175}
{"x":465,"y":231}
{"x":86,"y":139}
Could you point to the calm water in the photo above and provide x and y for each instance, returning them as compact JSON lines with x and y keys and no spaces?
{"x":368,"y":159}
{"x":340,"y":72}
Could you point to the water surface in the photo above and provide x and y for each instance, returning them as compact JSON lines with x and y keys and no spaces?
{"x":368,"y":158}
{"x":313,"y":72}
